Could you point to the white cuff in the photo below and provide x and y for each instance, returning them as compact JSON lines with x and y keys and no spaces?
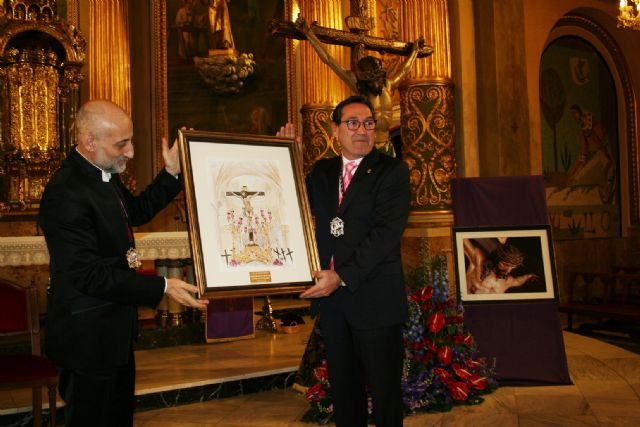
{"x":165,"y":285}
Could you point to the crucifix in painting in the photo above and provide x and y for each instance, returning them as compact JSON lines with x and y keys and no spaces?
{"x":245,"y":195}
{"x":368,"y":75}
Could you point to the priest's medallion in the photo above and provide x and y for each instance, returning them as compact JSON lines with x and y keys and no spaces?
{"x":133,"y":259}
{"x":337,"y":227}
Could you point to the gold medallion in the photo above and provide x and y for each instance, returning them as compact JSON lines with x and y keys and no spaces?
{"x":133,"y":259}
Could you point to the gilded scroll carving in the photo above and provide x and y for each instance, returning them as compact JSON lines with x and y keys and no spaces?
{"x":316,"y":124}
{"x":427,"y":129}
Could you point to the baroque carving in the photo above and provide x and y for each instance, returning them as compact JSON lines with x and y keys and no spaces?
{"x":40,"y":61}
{"x":427,"y":131}
{"x":316,"y":126}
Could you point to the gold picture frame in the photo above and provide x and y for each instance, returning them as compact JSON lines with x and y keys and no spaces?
{"x":250,"y":225}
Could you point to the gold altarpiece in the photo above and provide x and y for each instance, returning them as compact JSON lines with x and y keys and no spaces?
{"x":40,"y":62}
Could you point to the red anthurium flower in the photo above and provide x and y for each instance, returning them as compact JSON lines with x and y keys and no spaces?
{"x":321,"y":373}
{"x":443,"y":374}
{"x":461,"y":372}
{"x":435,"y":322}
{"x":458,"y":339}
{"x":426,"y":293}
{"x":475,"y":364}
{"x":427,"y":343}
{"x":444,"y":354}
{"x":459,"y":390}
{"x":463,"y":339}
{"x":315,"y":393}
{"x":479,"y":383}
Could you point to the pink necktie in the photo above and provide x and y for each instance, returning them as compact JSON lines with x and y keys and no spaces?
{"x":346,"y":179}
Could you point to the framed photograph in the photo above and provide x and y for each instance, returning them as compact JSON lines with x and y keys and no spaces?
{"x":250,"y":226}
{"x":495,"y":264}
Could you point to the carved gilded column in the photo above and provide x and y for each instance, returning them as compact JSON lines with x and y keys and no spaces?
{"x":320,"y":88}
{"x":109,"y":62}
{"x":427,"y":107}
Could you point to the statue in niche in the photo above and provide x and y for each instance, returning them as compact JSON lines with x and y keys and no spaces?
{"x":220,"y":25}
{"x":369,"y":79}
{"x":224,"y":70}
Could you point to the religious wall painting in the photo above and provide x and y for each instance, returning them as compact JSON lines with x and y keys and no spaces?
{"x":580,"y":150}
{"x":505,"y":264}
{"x":249,"y":219}
{"x":224,"y":73}
{"x":252,"y":227}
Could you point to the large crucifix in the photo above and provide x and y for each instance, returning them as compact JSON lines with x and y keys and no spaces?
{"x":367,"y":75}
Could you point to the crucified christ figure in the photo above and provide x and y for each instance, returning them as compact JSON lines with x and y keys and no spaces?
{"x":493,"y":273}
{"x":369,"y":79}
{"x":245,"y":195}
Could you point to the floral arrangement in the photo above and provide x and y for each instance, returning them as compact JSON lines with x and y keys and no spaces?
{"x":319,"y":397}
{"x":441,"y":366}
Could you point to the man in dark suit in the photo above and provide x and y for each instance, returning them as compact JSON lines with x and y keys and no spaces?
{"x":86,"y":215}
{"x":360,"y":291}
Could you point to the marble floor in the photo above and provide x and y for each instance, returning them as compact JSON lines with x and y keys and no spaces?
{"x":606,"y":390}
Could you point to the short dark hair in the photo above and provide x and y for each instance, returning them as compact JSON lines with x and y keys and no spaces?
{"x":336,"y":116}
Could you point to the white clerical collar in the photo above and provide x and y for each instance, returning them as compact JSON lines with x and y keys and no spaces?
{"x":106,"y":176}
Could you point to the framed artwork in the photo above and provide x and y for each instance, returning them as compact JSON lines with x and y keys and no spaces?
{"x":250,"y":224}
{"x":500,"y":264}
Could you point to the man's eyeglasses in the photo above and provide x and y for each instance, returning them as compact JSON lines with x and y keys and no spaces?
{"x":353,"y":124}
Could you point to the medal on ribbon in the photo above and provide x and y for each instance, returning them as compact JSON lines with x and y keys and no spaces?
{"x":337,"y":227}
{"x":133,"y":259}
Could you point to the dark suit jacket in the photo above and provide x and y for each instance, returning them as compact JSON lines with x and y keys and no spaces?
{"x":367,"y":257}
{"x":92,"y":314}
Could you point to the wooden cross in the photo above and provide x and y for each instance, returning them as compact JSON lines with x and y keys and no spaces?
{"x":356,"y":38}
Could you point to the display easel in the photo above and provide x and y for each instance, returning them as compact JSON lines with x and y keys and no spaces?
{"x":524,"y":339}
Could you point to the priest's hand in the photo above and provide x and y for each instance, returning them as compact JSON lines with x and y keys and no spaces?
{"x":181,"y":292}
{"x":171,"y":156}
{"x":327,"y":281}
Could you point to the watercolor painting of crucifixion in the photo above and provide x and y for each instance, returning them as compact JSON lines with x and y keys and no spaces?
{"x":249,"y":220}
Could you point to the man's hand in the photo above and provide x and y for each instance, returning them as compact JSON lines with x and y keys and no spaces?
{"x":302,"y":24}
{"x":289,"y":131}
{"x":180,"y":292}
{"x":327,"y":281}
{"x":171,"y":157}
